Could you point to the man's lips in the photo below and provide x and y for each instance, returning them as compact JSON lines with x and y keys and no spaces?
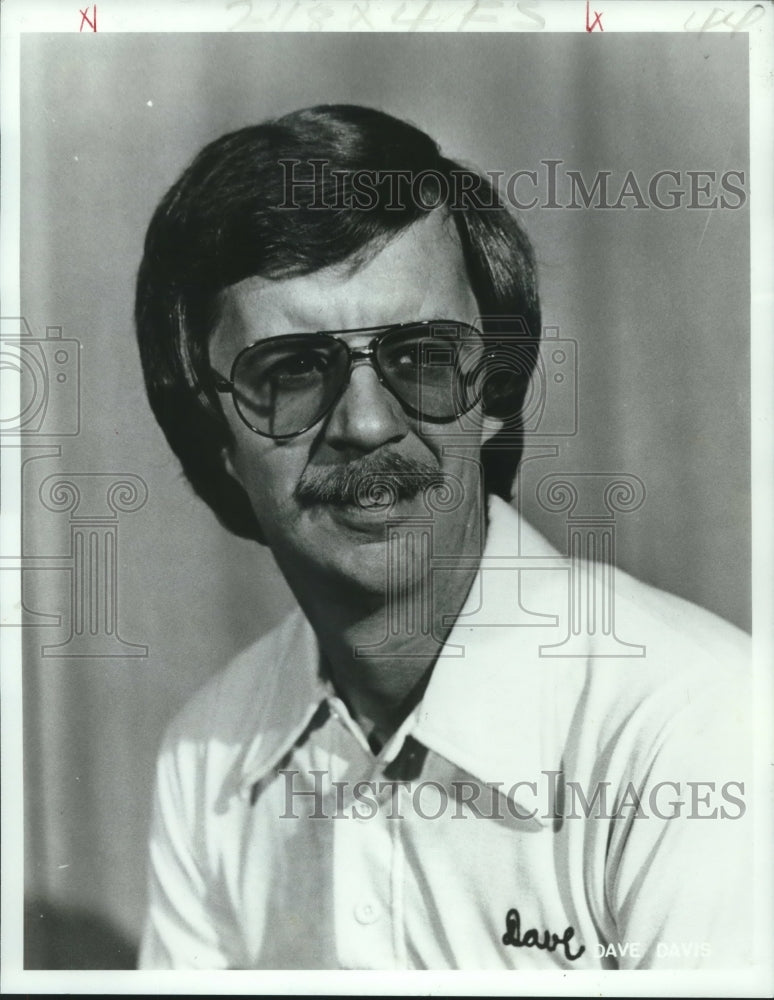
{"x":368,"y":520}
{"x":352,"y":524}
{"x":376,"y":508}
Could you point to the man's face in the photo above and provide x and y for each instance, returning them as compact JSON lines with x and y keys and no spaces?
{"x":420,"y":275}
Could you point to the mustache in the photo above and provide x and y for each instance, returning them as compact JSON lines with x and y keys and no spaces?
{"x":378,"y":479}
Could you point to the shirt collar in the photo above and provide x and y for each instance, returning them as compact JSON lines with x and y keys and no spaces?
{"x":288,"y":706}
{"x":490,"y":705}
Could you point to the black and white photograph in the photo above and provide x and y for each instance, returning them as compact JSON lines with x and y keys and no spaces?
{"x":387,"y":487}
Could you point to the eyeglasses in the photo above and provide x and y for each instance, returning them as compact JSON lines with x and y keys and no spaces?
{"x":283,"y":386}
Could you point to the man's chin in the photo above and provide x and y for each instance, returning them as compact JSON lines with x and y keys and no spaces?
{"x":350,"y":571}
{"x":350,"y":544}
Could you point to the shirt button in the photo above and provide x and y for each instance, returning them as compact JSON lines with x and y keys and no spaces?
{"x":367,"y":913}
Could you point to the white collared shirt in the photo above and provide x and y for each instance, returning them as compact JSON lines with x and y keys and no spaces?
{"x":535,"y":810}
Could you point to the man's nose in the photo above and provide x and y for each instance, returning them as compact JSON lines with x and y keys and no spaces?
{"x":367,"y":414}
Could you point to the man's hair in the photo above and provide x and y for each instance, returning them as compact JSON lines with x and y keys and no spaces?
{"x":288,"y":197}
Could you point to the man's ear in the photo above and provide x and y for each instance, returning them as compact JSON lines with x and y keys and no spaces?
{"x":228,"y":464}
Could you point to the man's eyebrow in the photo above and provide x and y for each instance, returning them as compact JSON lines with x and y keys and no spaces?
{"x":428,"y":321}
{"x":336,"y":331}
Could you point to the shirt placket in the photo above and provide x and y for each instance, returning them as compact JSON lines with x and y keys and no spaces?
{"x":367,"y":866}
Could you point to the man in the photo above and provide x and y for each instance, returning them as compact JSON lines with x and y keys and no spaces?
{"x":337,"y":327}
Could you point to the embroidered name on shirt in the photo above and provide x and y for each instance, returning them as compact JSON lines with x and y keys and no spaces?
{"x":532,"y":938}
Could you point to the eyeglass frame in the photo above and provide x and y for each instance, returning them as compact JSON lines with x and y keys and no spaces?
{"x":354,"y":355}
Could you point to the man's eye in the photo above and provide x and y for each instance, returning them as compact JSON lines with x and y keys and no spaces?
{"x":298,"y":368}
{"x":423,"y":355}
{"x":410,"y":355}
{"x":407,"y":357}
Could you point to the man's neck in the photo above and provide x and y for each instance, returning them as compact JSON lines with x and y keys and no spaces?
{"x":380,"y":671}
{"x":379,"y":650}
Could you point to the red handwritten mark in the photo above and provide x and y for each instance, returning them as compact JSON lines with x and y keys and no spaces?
{"x":85,"y":18}
{"x":597,"y":19}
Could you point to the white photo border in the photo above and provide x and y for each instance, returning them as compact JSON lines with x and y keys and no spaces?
{"x":28,"y":16}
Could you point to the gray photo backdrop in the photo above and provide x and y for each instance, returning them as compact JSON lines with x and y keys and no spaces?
{"x":654,"y":303}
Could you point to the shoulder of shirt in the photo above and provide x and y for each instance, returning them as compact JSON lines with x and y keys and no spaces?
{"x":682,"y":678}
{"x":694,"y":669}
{"x":676,"y":633}
{"x":241,"y":698}
{"x":688,"y":696}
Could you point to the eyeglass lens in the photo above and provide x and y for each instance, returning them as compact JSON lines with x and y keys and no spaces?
{"x":285,"y":385}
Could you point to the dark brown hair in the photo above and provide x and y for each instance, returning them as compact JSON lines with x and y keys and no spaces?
{"x":281,"y":199}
